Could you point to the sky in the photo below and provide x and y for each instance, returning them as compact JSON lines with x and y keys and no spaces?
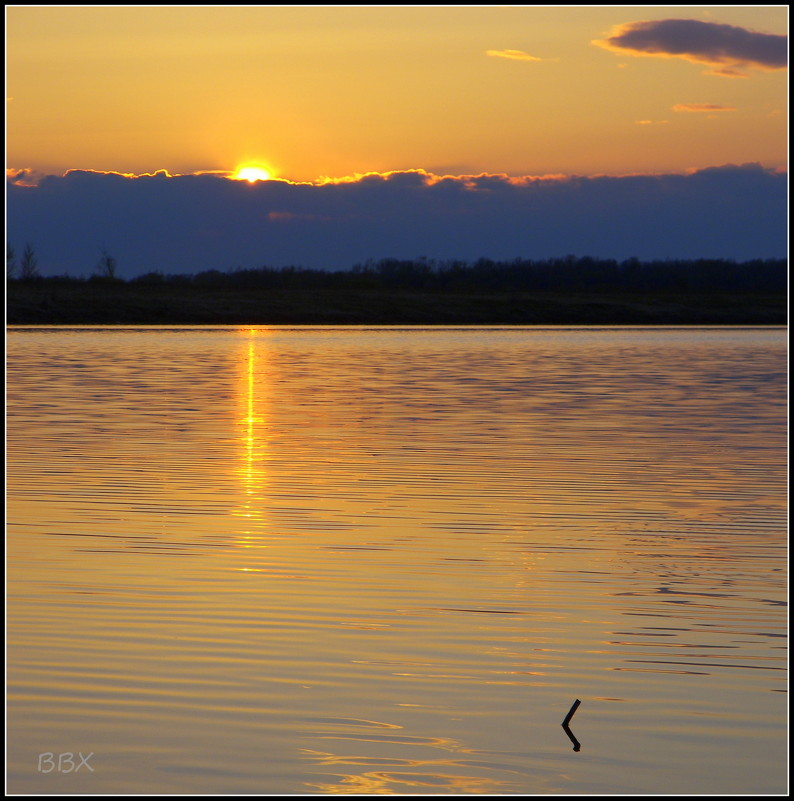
{"x":540,"y":102}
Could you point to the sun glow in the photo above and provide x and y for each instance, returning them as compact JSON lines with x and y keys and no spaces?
{"x":252,"y":173}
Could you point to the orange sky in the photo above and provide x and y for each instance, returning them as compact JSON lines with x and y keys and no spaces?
{"x":307,"y":92}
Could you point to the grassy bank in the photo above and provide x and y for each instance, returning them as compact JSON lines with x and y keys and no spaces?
{"x":45,"y":302}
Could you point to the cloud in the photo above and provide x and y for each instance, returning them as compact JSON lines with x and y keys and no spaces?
{"x":651,"y":122}
{"x":727,"y":72}
{"x":516,"y":55}
{"x":191,"y":223}
{"x":23,"y":177}
{"x":701,"y":107}
{"x":728,"y":48}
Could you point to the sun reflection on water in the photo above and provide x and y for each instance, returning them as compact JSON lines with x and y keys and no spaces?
{"x":253,"y":476}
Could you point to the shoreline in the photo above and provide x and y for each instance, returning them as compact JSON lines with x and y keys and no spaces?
{"x":108,"y":303}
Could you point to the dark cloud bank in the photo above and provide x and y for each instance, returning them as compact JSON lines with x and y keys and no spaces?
{"x":191,"y":223}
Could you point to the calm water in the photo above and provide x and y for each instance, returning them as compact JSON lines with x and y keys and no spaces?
{"x":317,"y":560}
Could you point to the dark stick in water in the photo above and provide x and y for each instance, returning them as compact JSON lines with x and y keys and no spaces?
{"x":571,"y":712}
{"x":576,"y":745}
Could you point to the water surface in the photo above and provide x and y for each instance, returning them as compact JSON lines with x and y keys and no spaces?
{"x":387,"y":560}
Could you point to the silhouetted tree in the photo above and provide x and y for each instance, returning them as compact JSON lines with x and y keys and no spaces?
{"x":11,"y":262}
{"x":29,"y":266}
{"x":106,"y":266}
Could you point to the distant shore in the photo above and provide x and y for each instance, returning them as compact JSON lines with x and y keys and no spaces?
{"x":46,"y":302}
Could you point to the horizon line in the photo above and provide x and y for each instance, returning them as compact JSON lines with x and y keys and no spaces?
{"x":30,"y":177}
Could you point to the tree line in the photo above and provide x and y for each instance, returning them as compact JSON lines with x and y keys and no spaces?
{"x":564,"y":274}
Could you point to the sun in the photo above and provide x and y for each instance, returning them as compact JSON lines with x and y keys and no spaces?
{"x":252,"y":173}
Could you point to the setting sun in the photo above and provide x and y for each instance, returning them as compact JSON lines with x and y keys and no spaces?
{"x":252,"y":173}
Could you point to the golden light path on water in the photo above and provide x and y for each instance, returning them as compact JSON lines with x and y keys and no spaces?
{"x":254,"y":477}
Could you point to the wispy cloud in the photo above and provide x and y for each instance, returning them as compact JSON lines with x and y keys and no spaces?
{"x":701,"y":107}
{"x":727,"y":48}
{"x":651,"y":122}
{"x":515,"y":55}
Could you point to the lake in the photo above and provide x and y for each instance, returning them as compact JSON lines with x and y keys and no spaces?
{"x":300,"y":560}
